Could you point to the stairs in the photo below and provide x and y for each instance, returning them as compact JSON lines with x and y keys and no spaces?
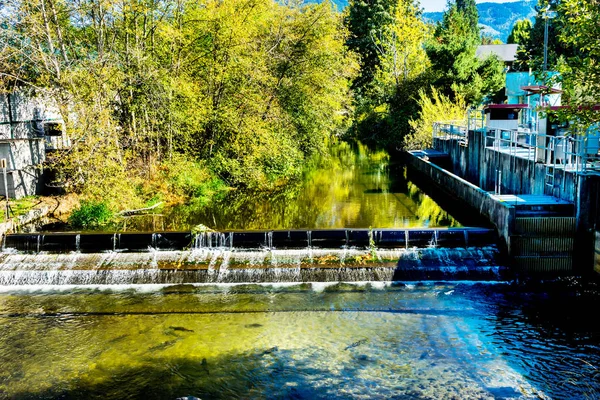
{"x":543,"y":244}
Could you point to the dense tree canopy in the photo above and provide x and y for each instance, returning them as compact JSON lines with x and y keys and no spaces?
{"x":520,"y":32}
{"x":531,"y":53}
{"x":369,"y":23}
{"x":246,"y":87}
{"x":580,"y":73}
{"x":452,"y":50}
{"x":384,"y":91}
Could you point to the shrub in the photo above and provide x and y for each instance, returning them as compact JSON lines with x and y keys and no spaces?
{"x":90,"y":214}
{"x":189,"y":179}
{"x":434,"y":108}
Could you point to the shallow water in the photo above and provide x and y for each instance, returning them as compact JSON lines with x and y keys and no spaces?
{"x":300,"y":341}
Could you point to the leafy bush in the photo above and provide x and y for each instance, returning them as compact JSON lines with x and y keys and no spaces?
{"x":182,"y":179}
{"x":90,"y":214}
{"x":434,"y":108}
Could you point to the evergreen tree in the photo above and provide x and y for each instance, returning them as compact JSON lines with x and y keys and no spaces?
{"x":468,"y":8}
{"x":532,"y":53}
{"x":391,"y":70}
{"x":368,"y":21}
{"x":520,"y":32}
{"x":455,"y":66}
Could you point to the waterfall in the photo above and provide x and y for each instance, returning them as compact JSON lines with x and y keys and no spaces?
{"x":264,"y":256}
{"x":218,"y":265}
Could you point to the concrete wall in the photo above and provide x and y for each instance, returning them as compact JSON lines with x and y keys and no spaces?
{"x":26,"y":115}
{"x":499,"y":214}
{"x":20,"y":154}
{"x":588,"y":218}
{"x":22,"y":140}
{"x":479,"y":165}
{"x":22,"y":182}
{"x":597,"y":252}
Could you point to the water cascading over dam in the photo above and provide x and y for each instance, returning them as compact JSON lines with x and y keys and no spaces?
{"x":250,"y":256}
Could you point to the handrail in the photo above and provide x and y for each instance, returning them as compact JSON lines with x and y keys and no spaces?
{"x":450,"y":130}
{"x":458,"y":129}
{"x":577,"y":153}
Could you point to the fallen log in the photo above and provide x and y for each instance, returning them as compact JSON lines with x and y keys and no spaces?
{"x":139,"y":210}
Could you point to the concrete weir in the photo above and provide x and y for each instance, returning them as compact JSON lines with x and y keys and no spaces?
{"x":251,"y":256}
{"x":545,"y":222}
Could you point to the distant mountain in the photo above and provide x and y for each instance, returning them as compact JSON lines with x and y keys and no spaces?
{"x":496,"y":20}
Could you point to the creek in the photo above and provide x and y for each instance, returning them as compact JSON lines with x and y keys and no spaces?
{"x":349,"y":187}
{"x":381,"y":315}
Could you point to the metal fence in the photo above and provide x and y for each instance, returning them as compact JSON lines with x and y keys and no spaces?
{"x":459,"y":129}
{"x":578,"y":153}
{"x":450,"y":130}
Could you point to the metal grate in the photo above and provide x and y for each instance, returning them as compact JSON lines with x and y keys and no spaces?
{"x":546,"y":226}
{"x":544,"y":264}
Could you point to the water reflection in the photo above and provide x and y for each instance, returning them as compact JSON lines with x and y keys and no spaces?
{"x":351,"y":187}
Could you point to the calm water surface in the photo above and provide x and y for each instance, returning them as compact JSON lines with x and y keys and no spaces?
{"x":433,"y":341}
{"x":351,"y":187}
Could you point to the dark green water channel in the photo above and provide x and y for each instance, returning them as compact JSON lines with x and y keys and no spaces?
{"x":351,"y":187}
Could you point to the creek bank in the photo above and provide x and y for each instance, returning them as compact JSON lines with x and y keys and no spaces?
{"x":57,"y":207}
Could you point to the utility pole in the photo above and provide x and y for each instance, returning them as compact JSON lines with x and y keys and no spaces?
{"x":3,"y":166}
{"x":547,"y":14}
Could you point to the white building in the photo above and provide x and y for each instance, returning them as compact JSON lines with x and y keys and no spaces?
{"x":30,"y":126}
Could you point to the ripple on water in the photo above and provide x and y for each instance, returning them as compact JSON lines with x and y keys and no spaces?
{"x":281,"y":341}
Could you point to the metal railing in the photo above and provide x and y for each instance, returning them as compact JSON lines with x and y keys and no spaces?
{"x":451,"y":130}
{"x":574,"y":153}
{"x":476,"y":120}
{"x":459,"y":129}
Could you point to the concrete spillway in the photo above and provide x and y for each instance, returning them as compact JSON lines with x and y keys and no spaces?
{"x":282,"y":239}
{"x":234,"y":257}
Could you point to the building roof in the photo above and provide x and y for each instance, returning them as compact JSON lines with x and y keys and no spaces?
{"x":567,"y":107}
{"x":506,"y":52}
{"x":536,"y":89}
{"x":505,"y":106}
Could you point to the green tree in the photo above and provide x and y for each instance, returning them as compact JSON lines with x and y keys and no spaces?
{"x":384,"y":107}
{"x":531,"y":54}
{"x":434,"y":107}
{"x":468,"y":9}
{"x":580,"y":75}
{"x":368,"y":22}
{"x":455,"y":67}
{"x":248,"y":88}
{"x":520,"y":33}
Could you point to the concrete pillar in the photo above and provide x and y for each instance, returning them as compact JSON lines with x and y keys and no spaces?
{"x":588,"y":212}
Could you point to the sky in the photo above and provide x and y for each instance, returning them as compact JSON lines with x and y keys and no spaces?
{"x":440,"y":5}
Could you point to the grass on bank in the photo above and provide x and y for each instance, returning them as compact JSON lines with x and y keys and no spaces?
{"x":173,"y":182}
{"x":18,"y":207}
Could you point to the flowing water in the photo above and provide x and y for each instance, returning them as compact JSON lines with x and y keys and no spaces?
{"x":264,"y":315}
{"x":296,"y":341}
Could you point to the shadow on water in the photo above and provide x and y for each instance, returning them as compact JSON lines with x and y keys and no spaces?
{"x":262,"y":373}
{"x":267,"y":373}
{"x":246,"y":375}
{"x":445,"y":341}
